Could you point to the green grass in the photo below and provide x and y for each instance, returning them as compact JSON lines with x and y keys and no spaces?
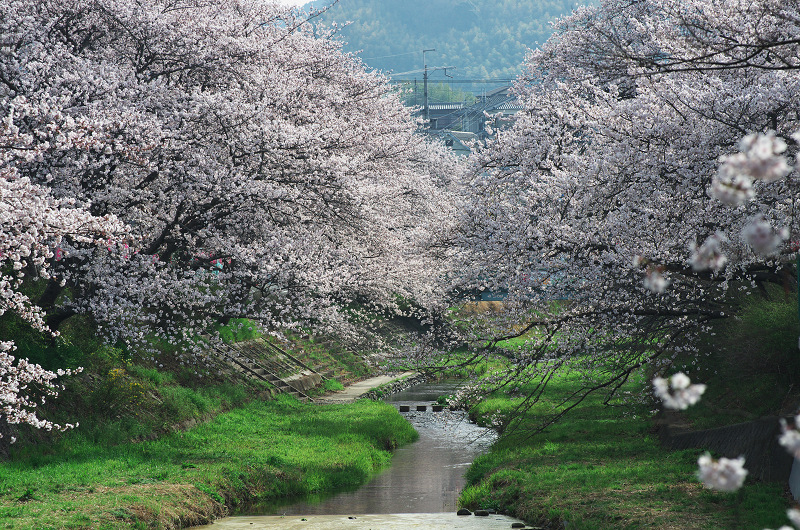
{"x":332,"y":385}
{"x":264,"y":450}
{"x":601,"y":467}
{"x":752,"y":365}
{"x":238,"y":329}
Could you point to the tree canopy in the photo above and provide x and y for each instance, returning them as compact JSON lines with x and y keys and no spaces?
{"x":644,"y":183}
{"x":230,"y":160}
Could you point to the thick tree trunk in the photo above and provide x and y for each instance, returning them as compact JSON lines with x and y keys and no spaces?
{"x":7,"y":433}
{"x":50,"y":294}
{"x":54,"y":320}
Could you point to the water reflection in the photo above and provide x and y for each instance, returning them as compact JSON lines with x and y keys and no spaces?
{"x":401,"y":521}
{"x":425,"y":392}
{"x":425,"y":477}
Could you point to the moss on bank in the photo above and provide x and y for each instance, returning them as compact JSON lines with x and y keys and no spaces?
{"x":260,"y":451}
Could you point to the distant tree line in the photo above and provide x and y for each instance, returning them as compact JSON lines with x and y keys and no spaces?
{"x":481,"y":38}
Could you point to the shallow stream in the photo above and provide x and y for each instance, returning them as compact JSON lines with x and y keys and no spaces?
{"x":419,"y":490}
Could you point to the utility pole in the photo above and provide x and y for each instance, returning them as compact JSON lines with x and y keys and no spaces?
{"x":426,"y":111}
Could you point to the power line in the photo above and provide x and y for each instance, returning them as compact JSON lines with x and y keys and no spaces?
{"x":463,"y":81}
{"x":387,"y":56}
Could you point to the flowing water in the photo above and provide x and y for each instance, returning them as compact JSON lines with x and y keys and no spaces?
{"x":419,"y":490}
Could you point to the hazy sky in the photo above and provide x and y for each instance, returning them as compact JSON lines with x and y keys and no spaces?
{"x":292,"y":2}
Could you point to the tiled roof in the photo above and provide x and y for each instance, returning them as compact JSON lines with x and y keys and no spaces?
{"x":508,"y":105}
{"x":446,"y":106}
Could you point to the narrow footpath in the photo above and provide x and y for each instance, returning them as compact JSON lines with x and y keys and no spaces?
{"x":352,"y":392}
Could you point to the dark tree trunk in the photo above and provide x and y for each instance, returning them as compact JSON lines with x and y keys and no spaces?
{"x":50,"y":294}
{"x":54,"y":320}
{"x":8,"y":432}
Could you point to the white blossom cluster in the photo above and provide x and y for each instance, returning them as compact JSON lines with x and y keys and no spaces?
{"x":732,"y":189}
{"x":790,"y":437}
{"x":725,"y":474}
{"x":677,"y":392}
{"x":709,"y":255}
{"x":760,"y":157}
{"x":32,"y":225}
{"x":656,"y":281}
{"x":760,"y":235}
{"x":263,"y":172}
{"x":633,"y":112}
{"x":16,"y":375}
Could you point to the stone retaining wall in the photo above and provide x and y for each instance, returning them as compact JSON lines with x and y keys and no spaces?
{"x":305,"y":381}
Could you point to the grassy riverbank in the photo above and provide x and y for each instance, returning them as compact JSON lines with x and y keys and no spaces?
{"x":602,"y":467}
{"x":260,"y":451}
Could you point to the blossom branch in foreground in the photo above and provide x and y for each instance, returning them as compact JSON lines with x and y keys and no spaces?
{"x":677,"y":393}
{"x":790,"y":438}
{"x":725,"y":474}
{"x":15,"y":378}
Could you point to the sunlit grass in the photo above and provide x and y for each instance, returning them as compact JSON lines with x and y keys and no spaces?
{"x":264,"y":450}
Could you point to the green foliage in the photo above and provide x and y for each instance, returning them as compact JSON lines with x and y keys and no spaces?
{"x":67,"y":351}
{"x":332,"y":385}
{"x":155,"y":377}
{"x":182,"y":402}
{"x":326,"y":355}
{"x":750,"y":363}
{"x":116,"y":392}
{"x":763,"y":335}
{"x":237,"y":330}
{"x":211,"y":492}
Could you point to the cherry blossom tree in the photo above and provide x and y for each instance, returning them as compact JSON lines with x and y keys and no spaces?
{"x":618,"y":181}
{"x":263,"y":172}
{"x":33,"y":225}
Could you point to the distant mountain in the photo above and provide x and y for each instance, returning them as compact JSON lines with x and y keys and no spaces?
{"x":483,"y":39}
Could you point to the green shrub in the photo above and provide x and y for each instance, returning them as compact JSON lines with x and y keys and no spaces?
{"x":152,"y":375}
{"x":69,"y":350}
{"x":179,"y":401}
{"x":237,"y":330}
{"x":750,"y":363}
{"x":332,"y":385}
{"x":762,"y":337}
{"x":211,"y":492}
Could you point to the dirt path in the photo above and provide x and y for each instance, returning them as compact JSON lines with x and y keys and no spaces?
{"x":354,"y":391}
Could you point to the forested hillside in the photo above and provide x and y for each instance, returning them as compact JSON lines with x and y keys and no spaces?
{"x":481,"y":38}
